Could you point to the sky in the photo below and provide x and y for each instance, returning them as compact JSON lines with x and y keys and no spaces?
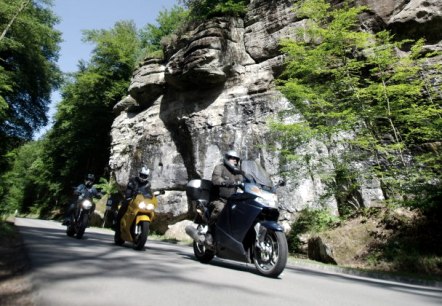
{"x":78,"y":15}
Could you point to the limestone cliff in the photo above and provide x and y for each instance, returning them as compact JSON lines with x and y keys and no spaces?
{"x":215,"y":91}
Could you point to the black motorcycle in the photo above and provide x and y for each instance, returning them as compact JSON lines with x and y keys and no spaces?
{"x":247,"y":229}
{"x":79,"y":220}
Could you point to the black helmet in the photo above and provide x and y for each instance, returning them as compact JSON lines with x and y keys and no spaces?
{"x":232,"y":155}
{"x":143,"y":175}
{"x":90,"y":178}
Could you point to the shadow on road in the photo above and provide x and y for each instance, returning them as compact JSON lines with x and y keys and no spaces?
{"x":57,"y":257}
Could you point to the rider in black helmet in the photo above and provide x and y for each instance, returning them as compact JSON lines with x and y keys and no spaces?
{"x":89,"y":180}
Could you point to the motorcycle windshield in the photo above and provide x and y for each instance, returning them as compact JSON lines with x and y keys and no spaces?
{"x":255,"y":173}
{"x":87,"y":193}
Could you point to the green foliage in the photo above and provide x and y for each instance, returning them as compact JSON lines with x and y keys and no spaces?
{"x":27,"y":179}
{"x":7,"y":230}
{"x":204,"y":9}
{"x":79,"y":141}
{"x":310,"y":221}
{"x":152,"y":36}
{"x":106,"y":186}
{"x":5,"y":87}
{"x":358,"y":90}
{"x":28,"y":70}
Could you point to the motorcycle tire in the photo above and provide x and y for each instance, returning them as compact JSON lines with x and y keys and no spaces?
{"x":82,"y":226}
{"x":270,"y":260}
{"x":70,"y":231}
{"x":202,"y":253}
{"x":141,"y":238}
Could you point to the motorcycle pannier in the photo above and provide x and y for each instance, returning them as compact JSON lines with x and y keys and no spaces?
{"x":198,"y":190}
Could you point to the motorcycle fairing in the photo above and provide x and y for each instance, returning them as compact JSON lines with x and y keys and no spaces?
{"x":133,"y":214}
{"x":140,"y":218}
{"x":272,"y":225}
{"x":234,"y":222}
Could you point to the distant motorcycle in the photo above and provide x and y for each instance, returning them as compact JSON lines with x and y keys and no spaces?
{"x":134,"y":225}
{"x":79,"y":220}
{"x":247,"y":229}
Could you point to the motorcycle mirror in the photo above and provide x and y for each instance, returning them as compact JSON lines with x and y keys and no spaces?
{"x":159,"y":192}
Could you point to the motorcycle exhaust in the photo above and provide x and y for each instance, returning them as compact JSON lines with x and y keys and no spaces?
{"x":193,"y":233}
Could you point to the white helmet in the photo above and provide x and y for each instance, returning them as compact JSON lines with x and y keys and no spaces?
{"x":143,"y":175}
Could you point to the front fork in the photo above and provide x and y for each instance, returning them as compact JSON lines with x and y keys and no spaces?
{"x":260,"y":232}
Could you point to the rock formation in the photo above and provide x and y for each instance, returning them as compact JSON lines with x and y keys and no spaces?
{"x":216,"y":91}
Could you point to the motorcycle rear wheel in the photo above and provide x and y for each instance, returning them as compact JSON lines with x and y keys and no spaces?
{"x":141,"y":238}
{"x":202,"y":253}
{"x":270,"y":258}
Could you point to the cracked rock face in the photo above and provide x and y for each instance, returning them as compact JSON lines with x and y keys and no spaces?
{"x":214,"y":92}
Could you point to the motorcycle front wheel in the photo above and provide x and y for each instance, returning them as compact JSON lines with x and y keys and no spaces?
{"x":70,"y":230}
{"x":141,"y":236}
{"x":270,"y":256}
{"x":84,"y":221}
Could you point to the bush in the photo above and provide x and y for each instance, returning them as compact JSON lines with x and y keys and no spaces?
{"x":309,"y":221}
{"x":204,"y":9}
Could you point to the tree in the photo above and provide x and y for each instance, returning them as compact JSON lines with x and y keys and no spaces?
{"x":79,"y":140}
{"x":348,"y":82}
{"x":203,"y":9}
{"x":169,"y":21}
{"x":27,"y":180}
{"x":23,"y":5}
{"x":28,"y":54}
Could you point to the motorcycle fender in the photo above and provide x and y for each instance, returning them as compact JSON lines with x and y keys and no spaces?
{"x":272,"y":225}
{"x":142,"y":218}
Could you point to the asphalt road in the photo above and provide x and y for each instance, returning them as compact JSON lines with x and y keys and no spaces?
{"x":93,"y":271}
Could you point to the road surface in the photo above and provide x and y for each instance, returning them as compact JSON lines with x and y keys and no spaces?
{"x":94,"y":271}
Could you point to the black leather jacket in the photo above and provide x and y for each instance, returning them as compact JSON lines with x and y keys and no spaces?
{"x":133,"y":185}
{"x":224,"y":182}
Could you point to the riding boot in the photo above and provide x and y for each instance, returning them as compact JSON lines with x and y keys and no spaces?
{"x":120,"y":214}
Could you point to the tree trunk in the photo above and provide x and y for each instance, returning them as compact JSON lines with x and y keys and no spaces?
{"x":22,"y":7}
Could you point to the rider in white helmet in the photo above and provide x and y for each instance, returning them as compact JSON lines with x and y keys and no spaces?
{"x":141,"y":180}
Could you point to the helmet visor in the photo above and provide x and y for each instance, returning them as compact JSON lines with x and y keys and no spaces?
{"x":232,"y":158}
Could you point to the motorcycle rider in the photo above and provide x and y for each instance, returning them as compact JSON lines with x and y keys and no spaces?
{"x":80,"y":190}
{"x":225,"y":179}
{"x":135,"y":183}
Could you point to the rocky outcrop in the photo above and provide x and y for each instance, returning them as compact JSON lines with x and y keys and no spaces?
{"x":216,"y":91}
{"x":418,"y":19}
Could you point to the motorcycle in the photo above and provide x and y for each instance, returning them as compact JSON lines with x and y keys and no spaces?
{"x":134,"y":225}
{"x":247,"y":229}
{"x":79,"y":221}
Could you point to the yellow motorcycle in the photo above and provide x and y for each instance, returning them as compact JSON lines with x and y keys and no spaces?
{"x":134,"y":225}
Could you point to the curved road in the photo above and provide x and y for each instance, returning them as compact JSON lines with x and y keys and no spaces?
{"x":93,"y":271}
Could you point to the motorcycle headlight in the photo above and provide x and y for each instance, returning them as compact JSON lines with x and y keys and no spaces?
{"x":144,"y":206}
{"x":268,"y":199}
{"x":87,"y":204}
